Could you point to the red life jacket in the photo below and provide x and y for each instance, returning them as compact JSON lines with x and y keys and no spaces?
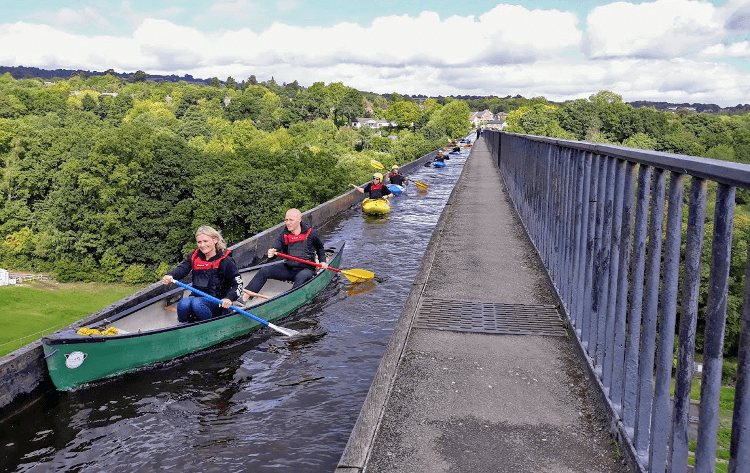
{"x":297,"y":245}
{"x":200,"y":263}
{"x":289,"y":238}
{"x":376,"y":190}
{"x":206,"y":274}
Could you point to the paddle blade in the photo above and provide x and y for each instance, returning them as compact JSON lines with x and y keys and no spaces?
{"x":376,"y":164}
{"x":421,"y":185}
{"x":358,"y":275}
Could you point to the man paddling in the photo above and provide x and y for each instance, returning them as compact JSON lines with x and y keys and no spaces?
{"x":395,"y":177}
{"x":296,"y":239}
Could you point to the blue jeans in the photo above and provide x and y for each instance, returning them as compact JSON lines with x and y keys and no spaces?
{"x":200,"y":307}
{"x":281,"y":272}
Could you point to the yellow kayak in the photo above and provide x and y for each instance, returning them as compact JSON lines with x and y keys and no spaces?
{"x":376,"y":206}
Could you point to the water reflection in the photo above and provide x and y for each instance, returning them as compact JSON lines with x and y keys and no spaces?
{"x":260,"y":403}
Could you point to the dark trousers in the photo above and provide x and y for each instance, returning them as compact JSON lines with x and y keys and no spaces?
{"x":282,"y":272}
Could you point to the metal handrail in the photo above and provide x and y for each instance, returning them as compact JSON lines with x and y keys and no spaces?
{"x":607,"y":222}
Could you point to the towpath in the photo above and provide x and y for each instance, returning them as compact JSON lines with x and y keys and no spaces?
{"x":480,"y":375}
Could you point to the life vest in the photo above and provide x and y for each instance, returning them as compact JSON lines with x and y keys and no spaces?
{"x":376,"y":190}
{"x":206,"y":275}
{"x":200,"y":263}
{"x":396,"y":178}
{"x":297,"y":245}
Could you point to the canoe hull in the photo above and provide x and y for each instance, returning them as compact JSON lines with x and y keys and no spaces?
{"x":439,"y":164}
{"x":73,"y":360}
{"x":376,"y":206}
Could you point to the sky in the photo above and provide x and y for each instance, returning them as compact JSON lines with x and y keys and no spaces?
{"x":665,"y":50}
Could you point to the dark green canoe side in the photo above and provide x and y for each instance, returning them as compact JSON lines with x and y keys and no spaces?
{"x":103,"y":357}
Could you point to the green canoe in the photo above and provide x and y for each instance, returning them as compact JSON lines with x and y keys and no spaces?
{"x":149,"y":332}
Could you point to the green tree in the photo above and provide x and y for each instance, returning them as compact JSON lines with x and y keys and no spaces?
{"x":578,"y":117}
{"x":453,"y":119}
{"x":404,"y":113}
{"x":138,"y":76}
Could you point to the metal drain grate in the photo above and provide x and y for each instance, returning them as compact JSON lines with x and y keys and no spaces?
{"x":489,"y":317}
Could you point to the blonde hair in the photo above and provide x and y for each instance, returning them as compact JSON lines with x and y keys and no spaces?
{"x":210,"y":231}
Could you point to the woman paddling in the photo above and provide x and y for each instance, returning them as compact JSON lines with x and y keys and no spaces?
{"x":214,"y":272}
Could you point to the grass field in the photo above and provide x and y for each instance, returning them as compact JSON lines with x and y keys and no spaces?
{"x":31,"y":310}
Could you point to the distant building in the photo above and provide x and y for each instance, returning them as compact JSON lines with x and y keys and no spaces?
{"x":374,"y":123}
{"x":495,"y":124}
{"x":477,"y":118}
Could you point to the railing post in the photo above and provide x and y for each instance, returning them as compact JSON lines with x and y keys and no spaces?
{"x":650,"y":313}
{"x":678,"y":454}
{"x":589,"y":294}
{"x":614,"y":269}
{"x":618,"y":352}
{"x":716,"y":311}
{"x":739,"y":449}
{"x":638,"y":265}
{"x":660,"y":411}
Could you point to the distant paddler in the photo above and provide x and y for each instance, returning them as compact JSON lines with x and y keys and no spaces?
{"x":395,"y":177}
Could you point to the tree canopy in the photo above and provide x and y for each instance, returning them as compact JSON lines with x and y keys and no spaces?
{"x":106,"y":179}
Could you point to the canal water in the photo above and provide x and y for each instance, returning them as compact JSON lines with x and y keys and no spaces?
{"x":258,"y":403}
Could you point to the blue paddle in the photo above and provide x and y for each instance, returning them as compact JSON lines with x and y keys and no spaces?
{"x":286,"y":331}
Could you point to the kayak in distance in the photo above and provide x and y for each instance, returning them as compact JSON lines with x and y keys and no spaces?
{"x":396,"y":189}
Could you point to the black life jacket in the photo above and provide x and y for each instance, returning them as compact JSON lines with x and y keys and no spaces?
{"x":206,"y":274}
{"x":376,"y":190}
{"x":397,"y":179}
{"x":297,"y":245}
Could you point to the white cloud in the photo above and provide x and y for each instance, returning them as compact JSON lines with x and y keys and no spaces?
{"x":736,"y":15}
{"x":660,"y":29}
{"x":508,"y":50}
{"x":734,"y":50}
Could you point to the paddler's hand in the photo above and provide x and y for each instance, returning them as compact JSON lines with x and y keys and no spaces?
{"x":225,"y":303}
{"x":167,"y":279}
{"x":272,"y":252}
{"x":324,"y":265}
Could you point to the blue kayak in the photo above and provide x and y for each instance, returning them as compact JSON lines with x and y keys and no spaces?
{"x":396,"y":189}
{"x":439,"y":164}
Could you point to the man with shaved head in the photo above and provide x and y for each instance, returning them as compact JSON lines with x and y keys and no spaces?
{"x":299,"y":240}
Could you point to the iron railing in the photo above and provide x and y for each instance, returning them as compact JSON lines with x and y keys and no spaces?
{"x":609,"y":230}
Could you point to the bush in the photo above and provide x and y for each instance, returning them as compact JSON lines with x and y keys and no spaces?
{"x":729,"y":372}
{"x":136,"y":273}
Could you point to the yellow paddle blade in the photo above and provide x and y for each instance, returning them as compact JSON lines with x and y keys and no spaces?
{"x":357,"y":275}
{"x":421,"y":185}
{"x":376,"y":164}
